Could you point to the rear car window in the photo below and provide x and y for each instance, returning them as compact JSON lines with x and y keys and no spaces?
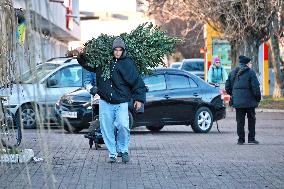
{"x":193,"y":66}
{"x":177,"y":82}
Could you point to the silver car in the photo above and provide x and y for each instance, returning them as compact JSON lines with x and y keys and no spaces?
{"x":176,"y":65}
{"x":40,"y":89}
{"x":194,"y":66}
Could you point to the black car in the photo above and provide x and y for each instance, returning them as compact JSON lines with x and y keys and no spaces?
{"x":174,"y":97}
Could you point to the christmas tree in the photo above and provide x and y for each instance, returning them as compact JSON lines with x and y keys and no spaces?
{"x":146,"y":45}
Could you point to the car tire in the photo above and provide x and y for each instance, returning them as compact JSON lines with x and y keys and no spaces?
{"x":154,"y":128}
{"x":203,"y":120}
{"x":71,"y":129}
{"x":26,"y":117}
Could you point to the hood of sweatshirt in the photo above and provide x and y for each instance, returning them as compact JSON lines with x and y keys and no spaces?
{"x":118,"y":42}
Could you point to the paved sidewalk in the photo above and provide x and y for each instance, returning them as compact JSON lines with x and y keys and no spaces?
{"x":175,"y":157}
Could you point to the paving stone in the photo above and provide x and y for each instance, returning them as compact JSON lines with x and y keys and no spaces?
{"x":175,"y":157}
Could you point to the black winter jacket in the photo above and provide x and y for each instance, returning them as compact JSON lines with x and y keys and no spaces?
{"x":125,"y":82}
{"x":245,"y":89}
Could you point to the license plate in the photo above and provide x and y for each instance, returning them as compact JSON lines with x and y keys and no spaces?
{"x":69,"y":114}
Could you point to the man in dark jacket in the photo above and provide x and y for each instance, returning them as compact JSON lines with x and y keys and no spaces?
{"x":243,"y":86}
{"x":115,"y":93}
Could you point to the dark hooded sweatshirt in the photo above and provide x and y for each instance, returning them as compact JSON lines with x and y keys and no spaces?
{"x":242,"y":84}
{"x":124,"y":83}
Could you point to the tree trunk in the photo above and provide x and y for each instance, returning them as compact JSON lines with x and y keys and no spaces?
{"x":250,"y":49}
{"x":7,"y":41}
{"x":275,"y":57}
{"x":7,"y":44}
{"x":234,"y":54}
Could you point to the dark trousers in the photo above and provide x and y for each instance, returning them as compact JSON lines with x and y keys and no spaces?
{"x":240,"y":117}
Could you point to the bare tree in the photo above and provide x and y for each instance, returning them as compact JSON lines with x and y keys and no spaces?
{"x":190,"y":29}
{"x":7,"y":41}
{"x":245,"y":23}
{"x":274,"y":49}
{"x":7,"y":44}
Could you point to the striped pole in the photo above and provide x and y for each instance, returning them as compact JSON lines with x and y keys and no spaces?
{"x":264,"y":68}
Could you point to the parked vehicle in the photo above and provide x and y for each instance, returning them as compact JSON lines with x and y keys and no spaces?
{"x":176,"y":65}
{"x":194,"y":66}
{"x":40,"y":89}
{"x":174,"y":97}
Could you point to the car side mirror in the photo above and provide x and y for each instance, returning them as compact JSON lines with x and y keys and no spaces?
{"x":147,"y":88}
{"x":51,"y":82}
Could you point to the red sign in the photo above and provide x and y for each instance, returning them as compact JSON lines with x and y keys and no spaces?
{"x":69,"y":17}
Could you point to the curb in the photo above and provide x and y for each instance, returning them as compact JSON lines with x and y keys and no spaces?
{"x":268,"y":110}
{"x":23,"y":157}
{"x":228,"y":109}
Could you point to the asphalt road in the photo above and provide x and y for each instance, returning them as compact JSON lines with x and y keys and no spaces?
{"x":175,"y":157}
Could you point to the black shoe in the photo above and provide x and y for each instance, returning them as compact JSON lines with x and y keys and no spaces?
{"x":112,"y":160}
{"x":125,"y":157}
{"x":119,"y":154}
{"x":89,"y":136}
{"x":240,"y":142}
{"x":253,"y":142}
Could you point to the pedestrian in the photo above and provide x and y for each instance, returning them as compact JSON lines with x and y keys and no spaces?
{"x":217,"y":73}
{"x":243,"y":86}
{"x":115,"y":93}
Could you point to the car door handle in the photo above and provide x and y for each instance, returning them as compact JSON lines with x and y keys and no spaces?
{"x":195,"y":94}
{"x":167,"y":96}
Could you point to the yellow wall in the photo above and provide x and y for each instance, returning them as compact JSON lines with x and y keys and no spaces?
{"x":209,"y":34}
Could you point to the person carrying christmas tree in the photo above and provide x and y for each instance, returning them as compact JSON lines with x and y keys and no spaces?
{"x":115,"y":93}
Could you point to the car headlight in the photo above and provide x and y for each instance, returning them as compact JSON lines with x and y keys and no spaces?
{"x":87,"y":105}
{"x":58,"y":102}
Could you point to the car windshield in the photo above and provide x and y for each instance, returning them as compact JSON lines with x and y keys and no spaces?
{"x":40,"y":71}
{"x":193,"y":66}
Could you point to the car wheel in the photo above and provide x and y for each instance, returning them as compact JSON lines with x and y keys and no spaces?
{"x":203,"y":120}
{"x":131,"y":120}
{"x":155,"y":128}
{"x":26,"y":117}
{"x":71,"y":129}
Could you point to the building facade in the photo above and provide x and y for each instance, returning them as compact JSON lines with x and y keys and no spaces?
{"x":48,"y":27}
{"x":114,"y":17}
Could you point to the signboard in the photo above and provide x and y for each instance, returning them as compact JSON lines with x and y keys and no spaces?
{"x":222,"y":49}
